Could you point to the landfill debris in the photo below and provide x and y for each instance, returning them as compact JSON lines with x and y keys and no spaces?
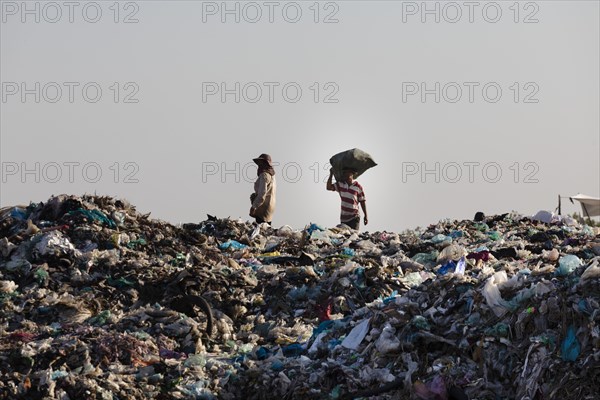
{"x":100,"y":301}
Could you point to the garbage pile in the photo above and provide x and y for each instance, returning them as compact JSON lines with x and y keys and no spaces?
{"x":99,"y":301}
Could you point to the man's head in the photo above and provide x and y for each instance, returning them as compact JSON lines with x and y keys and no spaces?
{"x":348,"y":175}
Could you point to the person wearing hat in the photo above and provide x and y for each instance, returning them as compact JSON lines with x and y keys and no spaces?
{"x":351,"y":193}
{"x":263,"y":198}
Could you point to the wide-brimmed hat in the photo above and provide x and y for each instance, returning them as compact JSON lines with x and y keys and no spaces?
{"x":263,"y":157}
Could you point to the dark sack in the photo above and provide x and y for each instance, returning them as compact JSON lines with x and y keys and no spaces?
{"x":355,"y":159}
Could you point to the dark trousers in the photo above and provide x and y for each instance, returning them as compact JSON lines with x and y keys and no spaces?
{"x":354,"y":223}
{"x":259,"y":220}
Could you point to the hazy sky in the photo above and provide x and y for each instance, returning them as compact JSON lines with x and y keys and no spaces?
{"x":465,"y":106}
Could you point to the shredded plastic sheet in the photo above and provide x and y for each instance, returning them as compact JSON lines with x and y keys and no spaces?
{"x":356,"y":335}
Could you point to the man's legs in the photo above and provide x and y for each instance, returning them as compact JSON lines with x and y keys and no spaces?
{"x":354,"y":223}
{"x":259,"y":220}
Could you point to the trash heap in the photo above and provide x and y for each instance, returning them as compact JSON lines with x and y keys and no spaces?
{"x":99,"y":301}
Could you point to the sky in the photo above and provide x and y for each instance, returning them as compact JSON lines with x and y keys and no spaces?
{"x":465,"y":106}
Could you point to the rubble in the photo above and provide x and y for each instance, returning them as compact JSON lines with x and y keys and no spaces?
{"x":100,"y":301}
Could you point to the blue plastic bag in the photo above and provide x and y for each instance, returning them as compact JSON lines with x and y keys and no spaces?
{"x":570,"y":347}
{"x":450,"y":266}
{"x":346,"y":251}
{"x":292,"y":350}
{"x":567,"y":264}
{"x":234,"y":244}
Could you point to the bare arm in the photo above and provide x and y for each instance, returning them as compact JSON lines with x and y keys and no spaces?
{"x":330,"y":185}
{"x":363,"y":204}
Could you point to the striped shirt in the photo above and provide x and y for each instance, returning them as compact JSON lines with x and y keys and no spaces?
{"x":350,"y":195}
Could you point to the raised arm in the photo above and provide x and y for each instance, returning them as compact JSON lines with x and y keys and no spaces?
{"x":330,"y":185}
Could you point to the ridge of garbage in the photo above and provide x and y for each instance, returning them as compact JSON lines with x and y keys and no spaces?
{"x":100,"y":301}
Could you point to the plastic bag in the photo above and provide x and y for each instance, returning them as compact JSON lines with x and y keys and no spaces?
{"x":452,"y":252}
{"x":387,"y":341}
{"x":356,"y":336}
{"x":492,"y":293}
{"x":234,"y":244}
{"x":570,"y":347}
{"x":568,"y":264}
{"x":593,"y":271}
{"x":460,"y":266}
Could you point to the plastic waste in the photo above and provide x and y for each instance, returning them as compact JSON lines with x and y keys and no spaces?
{"x":195,"y":360}
{"x":95,"y":215}
{"x":452,"y":252}
{"x":262,"y":353}
{"x":420,"y":322}
{"x":481,"y":226}
{"x":412,"y":279}
{"x":387,"y":341}
{"x":460,"y":266}
{"x":277,"y":365}
{"x":546,"y":217}
{"x":426,"y":258}
{"x":8,"y":287}
{"x":492,"y":293}
{"x":320,"y":235}
{"x":550,"y":255}
{"x":255,"y":232}
{"x":567,"y":264}
{"x":132,"y":244}
{"x":450,"y":266}
{"x":41,"y":276}
{"x":356,"y":335}
{"x":347,"y":252}
{"x":54,"y":243}
{"x":293,"y":350}
{"x":178,"y":317}
{"x":232,"y":244}
{"x":18,"y":213}
{"x":570,"y":347}
{"x":433,"y":390}
{"x":314,"y":227}
{"x":58,"y":375}
{"x":591,"y":272}
{"x":441,"y":238}
{"x":494,"y":235}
